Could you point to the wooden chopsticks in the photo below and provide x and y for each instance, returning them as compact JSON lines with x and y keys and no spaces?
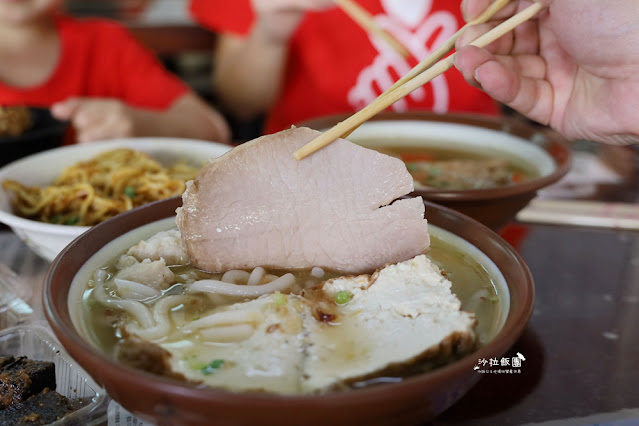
{"x":409,"y":85}
{"x":442,"y":50}
{"x":366,"y":21}
{"x":581,"y":213}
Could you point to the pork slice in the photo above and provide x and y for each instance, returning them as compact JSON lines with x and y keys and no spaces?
{"x":402,"y":314}
{"x":258,"y":206}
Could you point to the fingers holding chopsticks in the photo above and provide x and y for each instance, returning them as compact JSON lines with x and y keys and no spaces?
{"x":517,"y":82}
{"x":384,"y":101}
{"x":529,"y":66}
{"x":522,"y":40}
{"x":471,"y":9}
{"x":510,"y":69}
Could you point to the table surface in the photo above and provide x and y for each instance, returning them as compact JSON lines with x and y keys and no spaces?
{"x":580,"y":346}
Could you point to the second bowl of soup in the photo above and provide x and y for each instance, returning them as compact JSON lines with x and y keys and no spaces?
{"x":484,"y":167}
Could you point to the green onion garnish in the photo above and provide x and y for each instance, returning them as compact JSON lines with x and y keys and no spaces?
{"x":129,"y":191}
{"x":72,"y":221}
{"x":279,"y":299}
{"x":212,"y":367}
{"x":342,"y":297}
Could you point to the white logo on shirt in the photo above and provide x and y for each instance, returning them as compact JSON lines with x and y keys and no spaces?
{"x":411,"y":22}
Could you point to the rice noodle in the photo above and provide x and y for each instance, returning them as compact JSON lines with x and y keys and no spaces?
{"x":133,"y":290}
{"x":221,"y":287}
{"x":232,"y":333}
{"x":268,"y":278}
{"x":317,"y":272}
{"x":137,"y":310}
{"x":162,"y":319}
{"x":224,"y":318}
{"x":100,"y":277}
{"x":256,"y":276}
{"x":236,"y":276}
{"x":473,"y":302}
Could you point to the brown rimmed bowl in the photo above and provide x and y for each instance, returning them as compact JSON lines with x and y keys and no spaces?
{"x":167,"y":402}
{"x":535,"y":147}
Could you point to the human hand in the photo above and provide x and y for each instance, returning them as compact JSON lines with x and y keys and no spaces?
{"x":278,"y":19}
{"x":574,"y":67}
{"x":96,"y":119}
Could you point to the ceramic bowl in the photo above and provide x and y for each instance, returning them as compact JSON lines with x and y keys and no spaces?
{"x":168,"y":402}
{"x":536,"y":148}
{"x":41,"y":169}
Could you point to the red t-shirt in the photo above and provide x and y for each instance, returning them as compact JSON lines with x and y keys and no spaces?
{"x":334,"y":66}
{"x":100,"y":58}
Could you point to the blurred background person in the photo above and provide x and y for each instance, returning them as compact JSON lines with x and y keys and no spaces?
{"x":295,"y":60}
{"x":93,"y":73}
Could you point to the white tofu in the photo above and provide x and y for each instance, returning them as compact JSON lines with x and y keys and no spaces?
{"x":308,"y":344}
{"x":401,"y":314}
{"x":269,"y":359}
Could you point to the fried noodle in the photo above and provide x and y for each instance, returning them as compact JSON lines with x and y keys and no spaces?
{"x":92,"y":191}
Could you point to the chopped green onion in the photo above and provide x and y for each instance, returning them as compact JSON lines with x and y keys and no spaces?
{"x":212,"y":367}
{"x":342,"y":297}
{"x":279,"y":299}
{"x":56,"y":218}
{"x":129,"y":191}
{"x":72,"y":221}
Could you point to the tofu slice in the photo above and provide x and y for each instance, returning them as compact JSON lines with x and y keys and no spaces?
{"x":268,"y":358}
{"x":288,"y":344}
{"x":400,"y":315}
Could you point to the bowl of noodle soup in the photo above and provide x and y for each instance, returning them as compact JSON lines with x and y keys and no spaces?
{"x":487,"y":168}
{"x":410,"y":399}
{"x":94,"y":182}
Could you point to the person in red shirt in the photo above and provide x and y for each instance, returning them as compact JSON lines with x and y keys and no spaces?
{"x":302,"y":59}
{"x":94,"y":74}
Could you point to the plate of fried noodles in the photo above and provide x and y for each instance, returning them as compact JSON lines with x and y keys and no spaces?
{"x":50,"y":198}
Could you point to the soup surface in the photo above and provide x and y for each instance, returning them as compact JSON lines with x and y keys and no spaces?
{"x":108,"y":317}
{"x":458,"y":169}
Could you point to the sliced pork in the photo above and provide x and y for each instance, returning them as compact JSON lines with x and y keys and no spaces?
{"x":337,"y":209}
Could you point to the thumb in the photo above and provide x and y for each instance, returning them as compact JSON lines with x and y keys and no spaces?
{"x":66,"y":110}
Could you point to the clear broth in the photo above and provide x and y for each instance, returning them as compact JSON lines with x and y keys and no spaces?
{"x":471,"y":282}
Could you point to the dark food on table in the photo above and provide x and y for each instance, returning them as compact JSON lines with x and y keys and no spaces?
{"x":21,"y":377}
{"x":14,"y":120}
{"x":41,"y":409}
{"x":27,"y":392}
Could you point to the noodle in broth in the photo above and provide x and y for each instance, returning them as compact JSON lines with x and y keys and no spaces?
{"x":173,"y":315}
